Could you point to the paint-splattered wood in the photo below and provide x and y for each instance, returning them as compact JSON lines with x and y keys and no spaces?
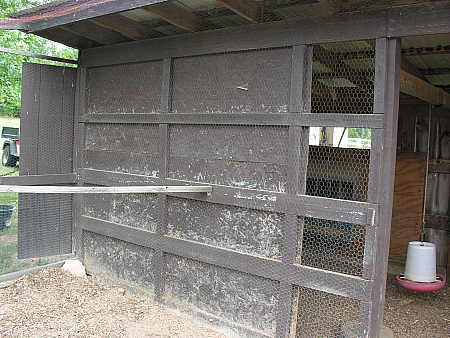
{"x":103,"y":190}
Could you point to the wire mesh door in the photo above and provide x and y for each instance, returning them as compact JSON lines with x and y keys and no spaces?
{"x":45,"y":221}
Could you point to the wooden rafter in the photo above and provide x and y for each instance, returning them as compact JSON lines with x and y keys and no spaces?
{"x":94,"y":32}
{"x":248,"y":9}
{"x":333,"y":6}
{"x":435,"y":71}
{"x":123,"y":25}
{"x":68,"y":38}
{"x":421,"y":89}
{"x":176,"y":15}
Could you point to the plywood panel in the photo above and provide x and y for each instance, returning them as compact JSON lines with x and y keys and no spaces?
{"x":408,"y":203}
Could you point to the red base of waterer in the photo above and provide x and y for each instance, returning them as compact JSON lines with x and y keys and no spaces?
{"x":420,"y":287}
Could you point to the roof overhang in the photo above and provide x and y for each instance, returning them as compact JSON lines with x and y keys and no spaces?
{"x":59,"y":13}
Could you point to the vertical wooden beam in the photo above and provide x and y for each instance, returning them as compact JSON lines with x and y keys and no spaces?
{"x":248,"y":9}
{"x":159,"y":261}
{"x":387,"y":90}
{"x":78,"y":161}
{"x":298,"y":146}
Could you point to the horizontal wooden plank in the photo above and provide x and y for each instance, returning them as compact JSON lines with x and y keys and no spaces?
{"x":310,"y":206}
{"x":322,"y":280}
{"x":104,"y":190}
{"x":439,"y":166}
{"x":40,"y":179}
{"x":273,"y":119}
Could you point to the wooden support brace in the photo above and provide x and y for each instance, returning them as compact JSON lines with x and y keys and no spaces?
{"x":121,"y":24}
{"x":176,"y":15}
{"x":37,"y":56}
{"x":416,"y":87}
{"x":104,"y":190}
{"x":245,"y":8}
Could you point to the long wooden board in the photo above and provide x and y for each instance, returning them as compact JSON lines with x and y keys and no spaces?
{"x":408,"y":203}
{"x":103,"y":190}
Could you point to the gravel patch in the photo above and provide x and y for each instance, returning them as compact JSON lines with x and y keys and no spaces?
{"x":414,"y":314}
{"x":53,"y":303}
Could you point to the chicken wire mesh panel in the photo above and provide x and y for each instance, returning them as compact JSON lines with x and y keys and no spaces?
{"x":244,"y":230}
{"x":126,"y":148}
{"x":246,"y":157}
{"x":343,"y":77}
{"x":246,"y":304}
{"x":321,"y":314}
{"x":118,"y":261}
{"x":332,"y":246}
{"x":122,"y":89}
{"x":339,"y":163}
{"x":45,"y":225}
{"x":241,"y":82}
{"x":133,"y":210}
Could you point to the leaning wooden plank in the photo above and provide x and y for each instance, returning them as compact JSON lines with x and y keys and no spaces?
{"x":37,"y":56}
{"x":104,"y":190}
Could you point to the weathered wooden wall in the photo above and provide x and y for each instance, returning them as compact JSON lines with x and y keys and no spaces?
{"x":289,"y":228}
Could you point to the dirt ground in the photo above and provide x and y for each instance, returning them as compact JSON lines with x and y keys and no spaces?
{"x":55,"y":304}
{"x":413,"y":314}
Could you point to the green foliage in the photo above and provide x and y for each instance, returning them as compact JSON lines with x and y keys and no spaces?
{"x":11,"y":65}
{"x":359,"y":133}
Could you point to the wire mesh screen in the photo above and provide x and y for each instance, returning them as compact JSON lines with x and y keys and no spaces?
{"x":246,"y":301}
{"x":52,"y":215}
{"x":321,"y":314}
{"x":119,"y":261}
{"x":121,"y":89}
{"x":343,"y":77}
{"x":127,"y":148}
{"x":338,"y":163}
{"x":244,"y":230}
{"x":332,"y":245}
{"x":239,"y":82}
{"x":133,"y":210}
{"x":251,"y":157}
